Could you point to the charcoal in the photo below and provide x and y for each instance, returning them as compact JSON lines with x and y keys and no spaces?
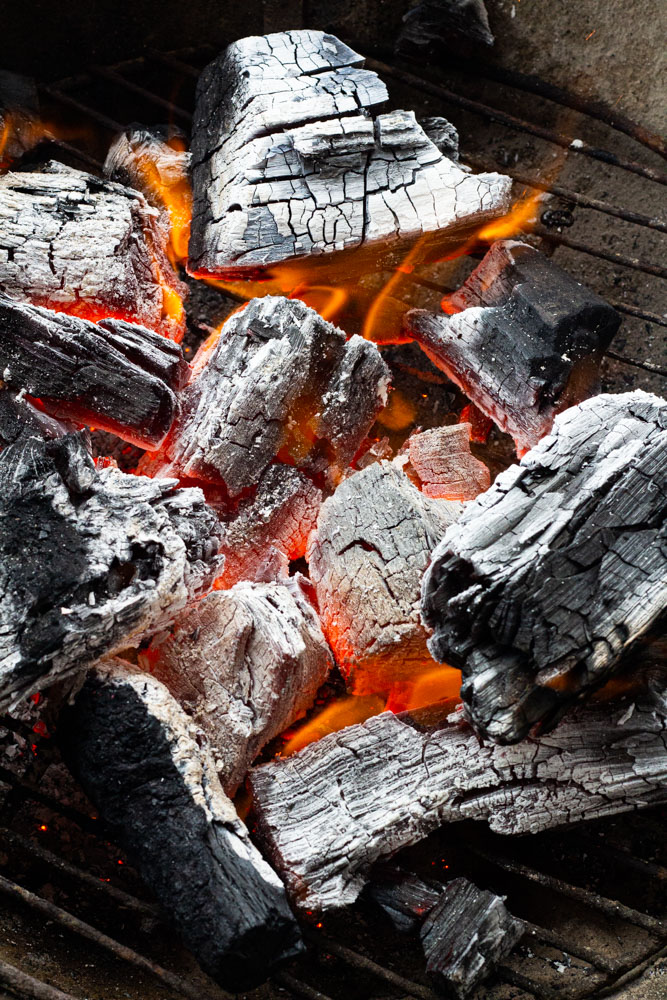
{"x":326,"y":814}
{"x":442,"y":134}
{"x":465,"y":934}
{"x":373,"y":541}
{"x":244,"y":663}
{"x":404,"y":897}
{"x":89,"y":247}
{"x":524,"y":342}
{"x":141,"y":761}
{"x":91,"y":561}
{"x":430,"y":24}
{"x":19,"y":116}
{"x":20,"y":419}
{"x":550,"y":576}
{"x":441,"y":461}
{"x":281,"y":384}
{"x":272,"y":526}
{"x":117,"y":375}
{"x":288,"y":165}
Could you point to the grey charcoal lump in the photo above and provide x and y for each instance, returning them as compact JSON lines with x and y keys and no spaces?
{"x":555,"y":571}
{"x":288,"y":162}
{"x":281,"y":385}
{"x":245,"y":663}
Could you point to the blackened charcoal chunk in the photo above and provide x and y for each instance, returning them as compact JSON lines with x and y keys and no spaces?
{"x":524,"y":340}
{"x":91,"y":561}
{"x":116,"y":375}
{"x":19,"y":418}
{"x":280,"y":384}
{"x":443,"y":135}
{"x":404,"y":897}
{"x":556,"y":570}
{"x":85,"y":246}
{"x":465,"y":934}
{"x":432,"y":23}
{"x":142,"y":762}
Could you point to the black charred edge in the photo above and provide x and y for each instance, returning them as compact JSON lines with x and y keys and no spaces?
{"x":238,"y":926}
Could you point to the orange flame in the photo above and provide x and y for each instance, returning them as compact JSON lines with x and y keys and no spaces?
{"x":427,"y":688}
{"x":341,"y":713}
{"x":172,"y":192}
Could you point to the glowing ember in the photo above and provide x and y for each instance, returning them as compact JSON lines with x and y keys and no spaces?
{"x":336,"y":716}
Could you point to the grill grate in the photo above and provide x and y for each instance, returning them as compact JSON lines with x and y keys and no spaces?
{"x":580,"y":942}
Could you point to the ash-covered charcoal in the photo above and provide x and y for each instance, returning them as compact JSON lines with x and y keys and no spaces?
{"x":403,"y":896}
{"x":524,"y":342}
{"x":326,"y":814}
{"x":244,"y":663}
{"x":116,"y":375}
{"x":91,"y":560}
{"x":373,"y":541}
{"x":288,"y":165}
{"x":441,"y":461}
{"x":89,"y":247}
{"x":281,"y":384}
{"x":19,"y":116}
{"x":465,"y":935}
{"x":430,"y":24}
{"x":273,"y":524}
{"x":141,"y":761}
{"x":442,"y":134}
{"x":556,"y":570}
{"x":20,"y":419}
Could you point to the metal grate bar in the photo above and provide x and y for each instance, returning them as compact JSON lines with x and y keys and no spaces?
{"x":297,"y":987}
{"x":57,"y":95}
{"x":525,"y":983}
{"x":88,"y":823}
{"x":28,"y":988}
{"x":363,"y":964}
{"x":613,"y":258}
{"x":578,"y":950}
{"x":493,"y":114}
{"x":120,"y":81}
{"x":167,"y":59}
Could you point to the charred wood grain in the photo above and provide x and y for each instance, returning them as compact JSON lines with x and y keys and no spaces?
{"x":372,"y":543}
{"x":117,"y":375}
{"x":141,"y":761}
{"x":404,"y":897}
{"x":524,"y":340}
{"x":78,"y":244}
{"x":443,"y":466}
{"x":328,"y":813}
{"x":92,"y":560}
{"x":558,"y":569}
{"x":288,"y":164}
{"x":244,"y":663}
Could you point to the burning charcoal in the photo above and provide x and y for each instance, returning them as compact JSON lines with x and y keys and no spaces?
{"x":86,"y":246}
{"x":115,"y":374}
{"x":443,"y":135}
{"x":466,"y":933}
{"x":141,"y":761}
{"x":404,"y":897}
{"x":373,"y":542}
{"x":288,"y":164}
{"x":524,"y":342}
{"x":19,"y":420}
{"x":244,"y":663}
{"x":154,"y":161}
{"x":90,"y":560}
{"x":329,"y":812}
{"x":280,"y":384}
{"x":431,"y":23}
{"x":445,"y":469}
{"x":19,"y":116}
{"x":278,"y":519}
{"x":555,"y":571}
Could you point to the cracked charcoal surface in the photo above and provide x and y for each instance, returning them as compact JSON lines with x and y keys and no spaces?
{"x":442,"y":462}
{"x":281,"y":384}
{"x":117,"y":375}
{"x":141,"y":761}
{"x":86,"y":246}
{"x":287,"y":162}
{"x":465,"y":934}
{"x":92,"y":560}
{"x":244,"y":663}
{"x":373,"y":541}
{"x":555,"y":571}
{"x":328,"y":813}
{"x":527,"y":342}
{"x":270,"y":529}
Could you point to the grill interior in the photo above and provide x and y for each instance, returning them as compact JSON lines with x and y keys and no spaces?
{"x":76,"y":921}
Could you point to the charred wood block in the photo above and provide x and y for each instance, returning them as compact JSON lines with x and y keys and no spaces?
{"x":281,"y":384}
{"x":272,"y":526}
{"x":117,"y":375}
{"x":558,"y":568}
{"x":141,"y":761}
{"x":373,"y":541}
{"x":329,"y":812}
{"x":20,"y":419}
{"x":81,"y":245}
{"x":441,"y":461}
{"x":404,"y":897}
{"x":19,"y":116}
{"x":288,"y":164}
{"x":524,"y":341}
{"x":465,"y":934}
{"x":244,"y":663}
{"x":91,"y":560}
